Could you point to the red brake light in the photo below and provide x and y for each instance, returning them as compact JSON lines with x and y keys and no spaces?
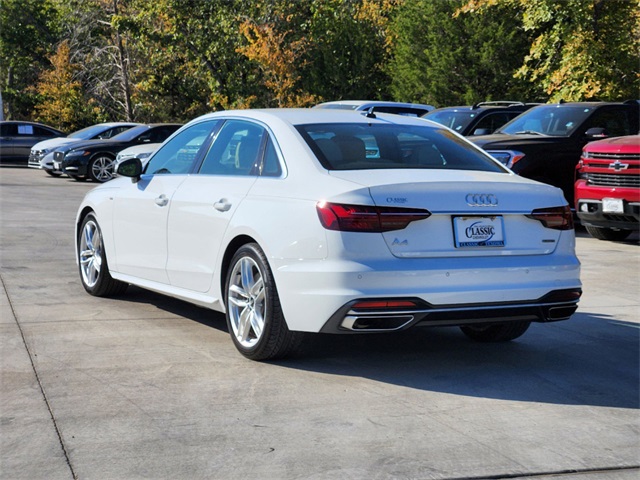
{"x":363,"y":218}
{"x":557,"y":218}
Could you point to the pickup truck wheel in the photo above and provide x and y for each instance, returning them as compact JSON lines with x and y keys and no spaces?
{"x":602,"y":233}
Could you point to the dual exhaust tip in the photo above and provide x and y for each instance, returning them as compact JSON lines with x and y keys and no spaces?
{"x":391,"y":315}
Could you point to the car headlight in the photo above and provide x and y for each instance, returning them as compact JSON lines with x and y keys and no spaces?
{"x":506,"y":157}
{"x":142,"y":156}
{"x":120,"y":157}
{"x":77,"y":153}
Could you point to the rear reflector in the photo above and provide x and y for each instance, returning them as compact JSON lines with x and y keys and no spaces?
{"x":556,"y":218}
{"x":383,"y":304}
{"x":364,"y":218}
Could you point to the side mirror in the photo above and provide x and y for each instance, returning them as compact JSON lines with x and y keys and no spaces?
{"x":596,"y":132}
{"x":481,"y":131}
{"x":131,"y":167}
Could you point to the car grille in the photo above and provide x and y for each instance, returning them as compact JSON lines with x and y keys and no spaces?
{"x":620,"y":218}
{"x":614,"y":180}
{"x":613,"y":156}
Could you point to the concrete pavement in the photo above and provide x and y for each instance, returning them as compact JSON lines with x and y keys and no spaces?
{"x":144,"y":386}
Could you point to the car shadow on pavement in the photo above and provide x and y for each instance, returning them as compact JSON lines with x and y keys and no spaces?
{"x":588,"y":360}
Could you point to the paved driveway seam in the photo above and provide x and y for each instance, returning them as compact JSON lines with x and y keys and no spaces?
{"x":35,"y":372}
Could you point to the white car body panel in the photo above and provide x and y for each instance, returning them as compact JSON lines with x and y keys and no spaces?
{"x":46,"y":162}
{"x":179,"y":248}
{"x":143,"y":152}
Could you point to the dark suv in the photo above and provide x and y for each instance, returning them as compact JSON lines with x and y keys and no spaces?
{"x":480,"y":119}
{"x":545,"y":143}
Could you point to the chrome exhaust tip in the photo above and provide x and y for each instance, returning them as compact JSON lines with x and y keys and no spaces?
{"x":372,"y":323}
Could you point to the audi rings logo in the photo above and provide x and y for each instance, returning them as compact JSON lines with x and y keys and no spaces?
{"x":481,"y":200}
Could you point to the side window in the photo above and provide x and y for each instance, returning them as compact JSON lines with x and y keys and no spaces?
{"x":616,"y":122}
{"x":43,"y":132}
{"x":492,"y":121}
{"x":113,"y":132}
{"x":8,"y":130}
{"x":179,"y":155}
{"x":271,"y":165}
{"x":236,"y":150}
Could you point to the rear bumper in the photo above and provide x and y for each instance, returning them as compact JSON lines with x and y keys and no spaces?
{"x":318,"y":296}
{"x":554,"y":306}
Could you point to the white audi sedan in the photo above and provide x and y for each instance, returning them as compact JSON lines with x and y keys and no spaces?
{"x":312,"y":220}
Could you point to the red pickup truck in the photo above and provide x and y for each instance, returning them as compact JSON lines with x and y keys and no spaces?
{"x":607,"y":188}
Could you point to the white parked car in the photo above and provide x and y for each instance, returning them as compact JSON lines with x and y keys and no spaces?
{"x":143,"y":152}
{"x":282,"y":220}
{"x":41,"y":155}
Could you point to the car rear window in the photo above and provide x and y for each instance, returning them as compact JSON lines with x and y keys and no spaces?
{"x":351,"y":146}
{"x":457,"y":121}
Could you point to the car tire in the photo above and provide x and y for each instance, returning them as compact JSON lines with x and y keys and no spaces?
{"x":254,"y":315}
{"x":101,"y":168}
{"x":92,"y":261}
{"x":78,"y":178}
{"x":53,"y":174}
{"x":602,"y":233}
{"x":496,"y":332}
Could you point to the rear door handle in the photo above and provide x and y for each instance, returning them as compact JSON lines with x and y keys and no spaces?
{"x":222,"y":205}
{"x":162,"y":200}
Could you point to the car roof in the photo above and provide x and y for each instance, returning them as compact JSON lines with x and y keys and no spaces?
{"x":305,"y":116}
{"x":591,"y":104}
{"x":487,"y":106}
{"x":115,"y":124}
{"x":27,"y":122}
{"x":363,"y":104}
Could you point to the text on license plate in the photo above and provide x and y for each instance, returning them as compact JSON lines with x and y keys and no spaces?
{"x":478,"y":231}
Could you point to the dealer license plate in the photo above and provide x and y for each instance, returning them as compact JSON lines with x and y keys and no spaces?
{"x":478,"y":231}
{"x":612,"y":205}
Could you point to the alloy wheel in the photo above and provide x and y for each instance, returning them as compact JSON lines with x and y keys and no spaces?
{"x":102,"y":168}
{"x":90,"y":253}
{"x":247,"y":302}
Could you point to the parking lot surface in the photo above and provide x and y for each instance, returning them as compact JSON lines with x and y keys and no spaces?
{"x":143,"y":386}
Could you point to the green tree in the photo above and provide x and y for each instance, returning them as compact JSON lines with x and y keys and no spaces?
{"x":442,"y":60}
{"x":348,"y":48}
{"x":204,"y":34}
{"x":62,"y":103}
{"x":582,"y":49}
{"x":29,"y":31}
{"x":279,"y":62}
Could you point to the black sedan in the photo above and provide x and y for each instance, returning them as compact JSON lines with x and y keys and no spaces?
{"x":17,"y":138}
{"x":95,"y":160}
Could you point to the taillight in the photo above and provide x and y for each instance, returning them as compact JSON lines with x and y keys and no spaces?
{"x":557,"y":218}
{"x":363,"y":218}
